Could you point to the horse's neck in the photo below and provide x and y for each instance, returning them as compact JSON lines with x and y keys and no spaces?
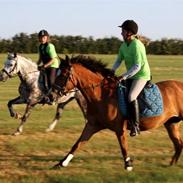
{"x":27,"y":70}
{"x":26,"y":66}
{"x":90,"y":85}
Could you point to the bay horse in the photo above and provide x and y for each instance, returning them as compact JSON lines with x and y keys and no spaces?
{"x":98,"y":85}
{"x":32,"y":90}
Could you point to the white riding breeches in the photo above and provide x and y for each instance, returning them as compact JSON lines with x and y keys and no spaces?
{"x":135,"y":89}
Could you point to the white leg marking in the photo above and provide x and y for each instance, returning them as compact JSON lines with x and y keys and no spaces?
{"x":68,"y":159}
{"x":128,"y":168}
{"x":51,"y":126}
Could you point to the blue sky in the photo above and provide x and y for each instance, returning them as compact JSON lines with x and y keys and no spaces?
{"x":157,"y":19}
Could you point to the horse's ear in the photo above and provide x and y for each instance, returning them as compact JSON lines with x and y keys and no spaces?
{"x":67,"y":59}
{"x":60,"y":58}
{"x":12,"y":55}
{"x":15,"y":55}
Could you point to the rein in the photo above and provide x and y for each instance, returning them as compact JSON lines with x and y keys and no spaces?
{"x":14,"y":67}
{"x":9,"y":73}
{"x":76,"y":89}
{"x":61,"y":89}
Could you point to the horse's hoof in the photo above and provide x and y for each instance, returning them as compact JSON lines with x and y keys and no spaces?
{"x":128,"y":164}
{"x":129,"y":168}
{"x":57,"y":166}
{"x":18,"y":116}
{"x":48,"y":130}
{"x":16,"y":133}
{"x":13,"y":115}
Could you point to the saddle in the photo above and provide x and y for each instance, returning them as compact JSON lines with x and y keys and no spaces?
{"x":150,"y":100}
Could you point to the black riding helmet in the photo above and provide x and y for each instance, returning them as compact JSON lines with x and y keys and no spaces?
{"x":130,"y":25}
{"x":43,"y":33}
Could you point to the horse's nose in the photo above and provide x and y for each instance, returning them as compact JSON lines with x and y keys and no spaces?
{"x":3,"y":77}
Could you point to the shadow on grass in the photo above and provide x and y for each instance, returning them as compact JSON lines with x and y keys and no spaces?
{"x":46,"y":162}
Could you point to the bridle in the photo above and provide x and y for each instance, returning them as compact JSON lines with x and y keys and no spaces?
{"x":9,"y":73}
{"x":62,"y":89}
{"x":14,"y":67}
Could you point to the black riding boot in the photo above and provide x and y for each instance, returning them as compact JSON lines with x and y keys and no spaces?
{"x":134,"y":118}
{"x":48,"y":98}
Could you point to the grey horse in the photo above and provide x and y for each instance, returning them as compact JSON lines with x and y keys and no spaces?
{"x":32,"y":90}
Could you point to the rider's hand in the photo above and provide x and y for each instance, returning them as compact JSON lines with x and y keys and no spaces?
{"x":113,"y":71}
{"x":41,"y":68}
{"x":121,"y":78}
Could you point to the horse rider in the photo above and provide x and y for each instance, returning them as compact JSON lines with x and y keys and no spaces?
{"x":132,"y":51}
{"x":48,"y":57}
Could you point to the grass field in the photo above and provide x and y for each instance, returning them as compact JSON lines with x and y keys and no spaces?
{"x":28,"y":158}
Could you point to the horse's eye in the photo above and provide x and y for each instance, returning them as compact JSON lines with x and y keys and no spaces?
{"x":9,"y":65}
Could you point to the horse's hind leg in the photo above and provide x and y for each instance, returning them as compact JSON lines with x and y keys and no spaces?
{"x":174,"y":134}
{"x":58,"y":114}
{"x":81,"y":102}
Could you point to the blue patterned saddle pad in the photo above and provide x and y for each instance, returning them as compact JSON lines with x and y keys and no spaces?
{"x":150,"y":101}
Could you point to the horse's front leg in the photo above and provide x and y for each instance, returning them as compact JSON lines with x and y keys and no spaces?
{"x":24,"y":118}
{"x":87,"y":133}
{"x":82,"y":103}
{"x":122,"y":139}
{"x":12,"y":102}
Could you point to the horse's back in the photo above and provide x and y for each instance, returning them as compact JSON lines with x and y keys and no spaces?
{"x":172,"y":93}
{"x":169,"y":85}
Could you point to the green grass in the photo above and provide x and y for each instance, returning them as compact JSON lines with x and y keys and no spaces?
{"x":28,"y":158}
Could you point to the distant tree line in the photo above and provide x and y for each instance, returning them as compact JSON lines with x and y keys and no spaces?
{"x":24,"y":43}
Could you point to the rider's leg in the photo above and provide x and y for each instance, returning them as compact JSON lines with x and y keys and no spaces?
{"x":134,"y":118}
{"x":135,"y":89}
{"x":51,"y":75}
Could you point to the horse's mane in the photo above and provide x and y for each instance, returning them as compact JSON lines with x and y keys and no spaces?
{"x":92,"y":64}
{"x":27,"y":60}
{"x":14,"y":55}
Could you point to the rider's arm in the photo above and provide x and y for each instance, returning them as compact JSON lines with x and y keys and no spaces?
{"x":132,"y":71}
{"x":39,"y":60}
{"x":116,"y":64}
{"x":48,"y":63}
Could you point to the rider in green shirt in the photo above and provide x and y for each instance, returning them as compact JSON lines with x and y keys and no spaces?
{"x":133,"y":53}
{"x":48,"y":57}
